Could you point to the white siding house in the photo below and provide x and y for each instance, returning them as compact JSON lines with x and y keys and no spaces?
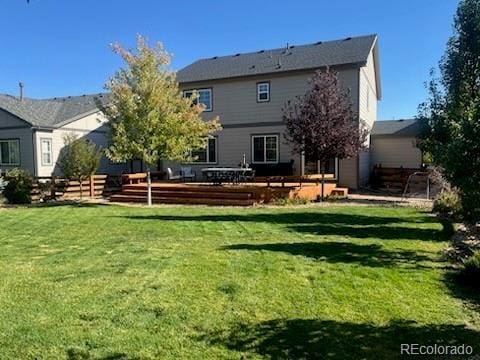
{"x":35,"y":130}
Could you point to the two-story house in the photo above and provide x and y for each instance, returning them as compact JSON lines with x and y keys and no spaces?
{"x":248,"y":92}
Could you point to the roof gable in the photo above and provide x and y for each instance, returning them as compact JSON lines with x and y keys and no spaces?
{"x":348,"y":51}
{"x":53,"y":112}
{"x":402,"y":127}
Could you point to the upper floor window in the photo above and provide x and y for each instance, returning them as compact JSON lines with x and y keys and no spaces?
{"x":263,"y":91}
{"x":265,"y":148}
{"x":10,"y":152}
{"x":208,"y":154}
{"x":46,"y":148}
{"x":204,"y":96}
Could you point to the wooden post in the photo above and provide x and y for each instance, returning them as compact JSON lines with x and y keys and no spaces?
{"x":53,"y":188}
{"x":92,"y":186}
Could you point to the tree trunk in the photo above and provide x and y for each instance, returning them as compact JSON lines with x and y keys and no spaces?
{"x":149,"y":187}
{"x":81,"y":188}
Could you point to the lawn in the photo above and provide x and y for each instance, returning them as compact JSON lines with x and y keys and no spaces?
{"x":110,"y":282}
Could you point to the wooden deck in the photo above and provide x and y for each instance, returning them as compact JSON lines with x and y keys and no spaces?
{"x":246,"y":194}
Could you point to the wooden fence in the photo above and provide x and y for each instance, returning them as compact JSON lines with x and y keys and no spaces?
{"x":395,"y":179}
{"x":56,"y":188}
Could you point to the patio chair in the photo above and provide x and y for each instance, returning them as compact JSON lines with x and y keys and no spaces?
{"x":186,"y":172}
{"x":171,"y":176}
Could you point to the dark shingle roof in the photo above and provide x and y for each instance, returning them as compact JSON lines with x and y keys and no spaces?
{"x":51,"y":112}
{"x":403,"y":127}
{"x":353,"y":50}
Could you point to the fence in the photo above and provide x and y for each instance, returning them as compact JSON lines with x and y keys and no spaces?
{"x":56,"y":188}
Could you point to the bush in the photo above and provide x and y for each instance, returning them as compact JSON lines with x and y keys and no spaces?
{"x":470,"y":273}
{"x":19,"y":187}
{"x":448,"y":203}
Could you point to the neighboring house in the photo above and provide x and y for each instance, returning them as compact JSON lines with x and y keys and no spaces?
{"x":394,"y":144}
{"x":32,"y":131}
{"x":248,"y":92}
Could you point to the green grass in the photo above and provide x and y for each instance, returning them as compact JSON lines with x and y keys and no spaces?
{"x":108,"y":282}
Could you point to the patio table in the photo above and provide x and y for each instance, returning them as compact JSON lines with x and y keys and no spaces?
{"x":219,"y":175}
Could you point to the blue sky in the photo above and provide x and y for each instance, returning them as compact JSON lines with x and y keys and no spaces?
{"x":61,"y":47}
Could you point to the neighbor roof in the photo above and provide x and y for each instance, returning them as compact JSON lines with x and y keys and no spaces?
{"x":353,"y":50}
{"x":53,"y":112}
{"x":402,"y":127}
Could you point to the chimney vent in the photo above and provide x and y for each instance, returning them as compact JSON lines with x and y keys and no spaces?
{"x":21,"y":86}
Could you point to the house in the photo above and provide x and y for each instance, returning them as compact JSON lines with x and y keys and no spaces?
{"x":394,"y":144}
{"x":248,"y":91}
{"x":32,"y":131}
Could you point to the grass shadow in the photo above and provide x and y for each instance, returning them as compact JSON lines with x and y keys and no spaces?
{"x":280,"y":218}
{"x":63,"y":203}
{"x":342,"y":252}
{"x":462,"y":289}
{"x":352,"y":225}
{"x":315,"y":339}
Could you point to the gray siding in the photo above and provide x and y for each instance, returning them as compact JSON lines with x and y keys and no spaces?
{"x":347,"y":173}
{"x":396,"y":152}
{"x":367,"y":113}
{"x":234,"y":101}
{"x":13,"y":128}
{"x":233,"y":143}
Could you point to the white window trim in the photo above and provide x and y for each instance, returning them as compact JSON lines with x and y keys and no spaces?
{"x":262,"y":92}
{"x":207,"y":108}
{"x":10,"y":141}
{"x":208,"y":154}
{"x":42,"y":152}
{"x":265,"y":149}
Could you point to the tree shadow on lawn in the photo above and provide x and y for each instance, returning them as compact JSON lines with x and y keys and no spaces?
{"x":460,"y":288}
{"x":342,"y":252}
{"x":315,"y":339}
{"x":356,"y":226}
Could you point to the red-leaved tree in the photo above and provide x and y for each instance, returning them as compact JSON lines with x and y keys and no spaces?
{"x":322,"y":124}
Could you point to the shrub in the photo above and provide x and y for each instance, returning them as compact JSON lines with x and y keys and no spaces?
{"x":19,"y":187}
{"x":470,"y":272}
{"x":285,"y":201}
{"x":3,"y":183}
{"x":448,"y":203}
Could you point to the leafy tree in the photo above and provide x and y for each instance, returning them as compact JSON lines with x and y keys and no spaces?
{"x":149,"y":118}
{"x":452,"y":113}
{"x":322,"y":124}
{"x":79,"y":159}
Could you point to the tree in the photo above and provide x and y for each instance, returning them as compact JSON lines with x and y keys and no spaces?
{"x":149,"y":118}
{"x":452,"y":113}
{"x":79,"y":159}
{"x":322,"y":124}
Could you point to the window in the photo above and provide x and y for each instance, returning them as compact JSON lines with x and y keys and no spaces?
{"x":265,"y":148}
{"x":207,"y":155}
{"x":204,"y":96}
{"x":9,"y":152}
{"x":263,"y":92}
{"x":46,"y":148}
